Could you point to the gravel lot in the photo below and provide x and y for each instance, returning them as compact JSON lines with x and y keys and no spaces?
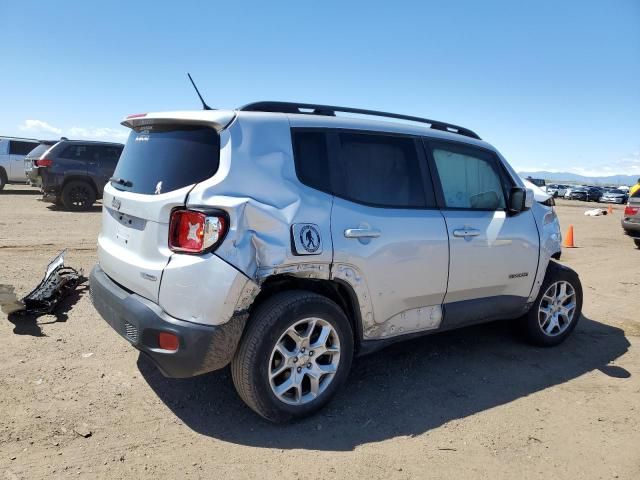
{"x":474,"y":403}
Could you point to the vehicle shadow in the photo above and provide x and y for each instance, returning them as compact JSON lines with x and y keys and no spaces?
{"x":21,"y":191}
{"x":406,"y":389}
{"x":27,"y":323}
{"x":59,"y":208}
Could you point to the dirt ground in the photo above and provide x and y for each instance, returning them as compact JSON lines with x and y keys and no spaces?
{"x":474,"y":403}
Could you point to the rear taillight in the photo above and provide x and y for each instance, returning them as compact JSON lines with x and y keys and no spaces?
{"x":43,"y":162}
{"x":630,"y":211}
{"x":195,"y":232}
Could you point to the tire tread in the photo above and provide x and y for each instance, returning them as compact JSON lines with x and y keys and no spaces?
{"x":261,"y":320}
{"x":529,"y":323}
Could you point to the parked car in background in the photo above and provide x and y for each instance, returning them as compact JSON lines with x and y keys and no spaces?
{"x":613,"y":195}
{"x":631,"y":218}
{"x":568,"y":194}
{"x":12,"y":153}
{"x":74,"y":172}
{"x":538,"y":182}
{"x":587,"y":194}
{"x":569,"y":189}
{"x":556,"y":190}
{"x":539,"y":194}
{"x":31,"y":161}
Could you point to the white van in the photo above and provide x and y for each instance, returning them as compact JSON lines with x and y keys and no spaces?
{"x":12,"y":153}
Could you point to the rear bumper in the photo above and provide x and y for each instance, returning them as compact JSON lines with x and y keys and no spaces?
{"x":51,"y":185}
{"x":51,"y":197}
{"x":631,"y":228}
{"x":202,"y":348}
{"x":33,"y":175}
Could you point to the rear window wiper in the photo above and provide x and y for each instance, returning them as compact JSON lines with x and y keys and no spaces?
{"x":121,"y":181}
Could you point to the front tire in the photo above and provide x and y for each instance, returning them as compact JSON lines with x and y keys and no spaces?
{"x":294,"y":355}
{"x":557,"y":309}
{"x":78,"y":195}
{"x":3,"y":179}
{"x":637,"y":242}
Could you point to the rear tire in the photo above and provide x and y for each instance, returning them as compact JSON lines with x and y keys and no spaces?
{"x":637,"y":242}
{"x":556,"y":310}
{"x":78,"y":195}
{"x":283,"y":347}
{"x":3,"y":179}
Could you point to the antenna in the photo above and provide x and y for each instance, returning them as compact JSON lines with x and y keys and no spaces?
{"x":204,"y":105}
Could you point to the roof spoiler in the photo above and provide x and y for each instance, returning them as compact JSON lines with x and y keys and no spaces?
{"x":218,"y":119}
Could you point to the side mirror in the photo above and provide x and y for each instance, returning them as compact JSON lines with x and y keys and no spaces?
{"x":520,"y":199}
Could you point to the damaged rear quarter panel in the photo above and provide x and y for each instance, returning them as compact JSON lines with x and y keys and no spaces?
{"x":256,"y":185}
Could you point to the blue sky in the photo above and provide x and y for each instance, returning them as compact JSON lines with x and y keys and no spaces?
{"x":554,"y":85}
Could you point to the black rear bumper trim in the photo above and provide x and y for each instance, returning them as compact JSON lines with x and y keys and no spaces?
{"x":202,"y":348}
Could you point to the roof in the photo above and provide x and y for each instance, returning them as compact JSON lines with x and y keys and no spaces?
{"x":330,"y":111}
{"x":3,"y":137}
{"x":407,"y":128}
{"x":91,"y":142}
{"x":220,"y":119}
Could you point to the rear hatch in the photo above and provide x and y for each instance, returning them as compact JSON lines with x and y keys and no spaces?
{"x":160,"y":164}
{"x":634,"y":203}
{"x":31,"y":170}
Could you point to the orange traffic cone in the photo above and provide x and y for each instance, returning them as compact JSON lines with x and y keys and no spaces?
{"x":610,"y":210}
{"x":568,"y":238}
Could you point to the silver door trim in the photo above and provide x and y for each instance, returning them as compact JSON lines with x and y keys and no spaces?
{"x":362,"y":233}
{"x":466,"y":232}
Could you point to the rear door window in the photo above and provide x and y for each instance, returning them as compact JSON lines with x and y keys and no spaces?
{"x":108,"y":155}
{"x":380,"y":170}
{"x":374,"y":169}
{"x":161,"y":158}
{"x":85,"y":153}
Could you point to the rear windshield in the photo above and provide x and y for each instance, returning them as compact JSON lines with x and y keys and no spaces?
{"x":39,"y":150}
{"x":160,"y":158}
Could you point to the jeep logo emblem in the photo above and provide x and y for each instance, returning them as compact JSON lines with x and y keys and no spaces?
{"x":116,"y":203}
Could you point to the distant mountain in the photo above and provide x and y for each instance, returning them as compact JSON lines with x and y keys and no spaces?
{"x":559,"y":177}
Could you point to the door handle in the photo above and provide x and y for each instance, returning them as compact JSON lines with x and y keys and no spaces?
{"x":466,"y":232}
{"x":362,"y":233}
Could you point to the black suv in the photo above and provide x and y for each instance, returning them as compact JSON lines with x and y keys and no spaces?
{"x":587,"y":194}
{"x":74,"y":172}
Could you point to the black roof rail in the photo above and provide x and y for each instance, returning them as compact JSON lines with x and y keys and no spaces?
{"x":330,"y":110}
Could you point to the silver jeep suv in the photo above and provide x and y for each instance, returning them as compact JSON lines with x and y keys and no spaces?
{"x":283,"y":240}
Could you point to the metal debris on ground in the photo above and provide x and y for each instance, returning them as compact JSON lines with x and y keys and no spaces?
{"x":58,"y":282}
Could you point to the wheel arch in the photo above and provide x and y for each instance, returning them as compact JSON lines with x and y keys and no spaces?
{"x":336,"y":290}
{"x":80,"y":178}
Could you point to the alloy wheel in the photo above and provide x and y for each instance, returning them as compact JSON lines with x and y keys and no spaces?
{"x":557,"y":308}
{"x":304,"y":361}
